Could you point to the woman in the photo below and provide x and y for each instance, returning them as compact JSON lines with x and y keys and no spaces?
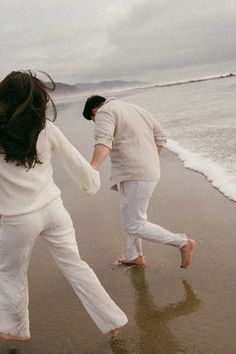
{"x":31,"y":206}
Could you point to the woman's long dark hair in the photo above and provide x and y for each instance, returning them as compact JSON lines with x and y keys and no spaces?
{"x":23,"y":102}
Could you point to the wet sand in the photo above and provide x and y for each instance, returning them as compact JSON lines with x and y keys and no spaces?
{"x":170,"y":310}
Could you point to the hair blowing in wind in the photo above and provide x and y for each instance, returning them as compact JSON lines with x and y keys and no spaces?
{"x":23,"y":103}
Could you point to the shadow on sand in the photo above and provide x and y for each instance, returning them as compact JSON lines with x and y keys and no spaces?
{"x":154,"y":335}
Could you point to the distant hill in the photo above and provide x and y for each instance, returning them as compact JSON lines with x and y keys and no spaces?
{"x":107,"y":85}
{"x":62,"y":88}
{"x":113,"y":85}
{"x":65,"y":88}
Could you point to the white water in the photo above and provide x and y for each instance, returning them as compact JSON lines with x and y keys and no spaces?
{"x":200,"y":122}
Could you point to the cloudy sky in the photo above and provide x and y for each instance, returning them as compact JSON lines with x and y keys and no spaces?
{"x":92,"y":40}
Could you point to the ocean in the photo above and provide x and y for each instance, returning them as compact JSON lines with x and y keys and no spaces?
{"x":200,"y":122}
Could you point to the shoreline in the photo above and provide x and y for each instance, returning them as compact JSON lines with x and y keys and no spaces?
{"x":196,"y":163}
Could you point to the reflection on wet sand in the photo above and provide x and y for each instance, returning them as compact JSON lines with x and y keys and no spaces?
{"x":154,"y":335}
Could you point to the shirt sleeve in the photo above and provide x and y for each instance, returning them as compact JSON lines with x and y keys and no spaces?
{"x":77,"y":166}
{"x":104,"y":129}
{"x":159,"y":133}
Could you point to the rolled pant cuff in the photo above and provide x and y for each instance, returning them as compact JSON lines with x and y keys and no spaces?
{"x":184,"y":242}
{"x":134,"y":256}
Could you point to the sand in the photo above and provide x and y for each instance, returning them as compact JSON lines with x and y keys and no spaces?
{"x":170,"y":310}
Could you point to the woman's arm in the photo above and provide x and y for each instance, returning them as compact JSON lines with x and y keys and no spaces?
{"x":76,"y":165}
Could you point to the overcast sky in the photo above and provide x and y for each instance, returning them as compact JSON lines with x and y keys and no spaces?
{"x":92,"y":40}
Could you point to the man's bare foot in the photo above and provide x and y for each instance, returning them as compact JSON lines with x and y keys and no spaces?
{"x":187,"y":253}
{"x":137,"y":261}
{"x":114,"y":333}
{"x":8,"y":337}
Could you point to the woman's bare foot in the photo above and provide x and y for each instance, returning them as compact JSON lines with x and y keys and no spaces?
{"x":114,"y":333}
{"x":187,"y":253}
{"x":8,"y":337}
{"x":137,"y":261}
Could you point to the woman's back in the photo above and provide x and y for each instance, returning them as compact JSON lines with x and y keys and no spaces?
{"x":25,"y":190}
{"x":27,"y":139}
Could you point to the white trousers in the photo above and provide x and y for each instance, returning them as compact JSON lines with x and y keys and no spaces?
{"x":17,"y":237}
{"x":134,"y":200}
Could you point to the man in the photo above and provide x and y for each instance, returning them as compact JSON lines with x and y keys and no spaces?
{"x":134,"y":140}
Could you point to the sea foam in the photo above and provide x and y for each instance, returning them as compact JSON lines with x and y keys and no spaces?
{"x":213,"y":172}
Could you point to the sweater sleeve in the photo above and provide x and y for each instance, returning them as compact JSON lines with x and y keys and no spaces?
{"x":77,"y":166}
{"x":104,"y":129}
{"x":158,"y":132}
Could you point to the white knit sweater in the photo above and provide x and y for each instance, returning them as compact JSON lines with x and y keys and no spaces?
{"x":23,"y":191}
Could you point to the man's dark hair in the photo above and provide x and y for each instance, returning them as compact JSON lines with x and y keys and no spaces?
{"x":91,"y":103}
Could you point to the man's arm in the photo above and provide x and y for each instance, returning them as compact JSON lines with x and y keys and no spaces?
{"x":100,"y":153}
{"x":158,"y":133}
{"x":104,"y":135}
{"x":159,"y":148}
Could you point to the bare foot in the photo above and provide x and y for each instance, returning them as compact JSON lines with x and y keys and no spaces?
{"x":8,"y":337}
{"x":137,"y":261}
{"x":114,"y":333}
{"x":187,"y":253}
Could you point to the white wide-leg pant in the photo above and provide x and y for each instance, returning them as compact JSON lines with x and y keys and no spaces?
{"x":17,"y":237}
{"x":134,"y":200}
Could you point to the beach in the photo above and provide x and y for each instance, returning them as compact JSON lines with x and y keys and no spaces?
{"x":176,"y":60}
{"x":170,"y":310}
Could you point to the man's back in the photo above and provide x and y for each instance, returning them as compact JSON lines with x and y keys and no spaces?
{"x":132,"y":135}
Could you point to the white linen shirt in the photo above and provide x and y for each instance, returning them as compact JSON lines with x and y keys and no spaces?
{"x":23,"y":191}
{"x":132,"y":134}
